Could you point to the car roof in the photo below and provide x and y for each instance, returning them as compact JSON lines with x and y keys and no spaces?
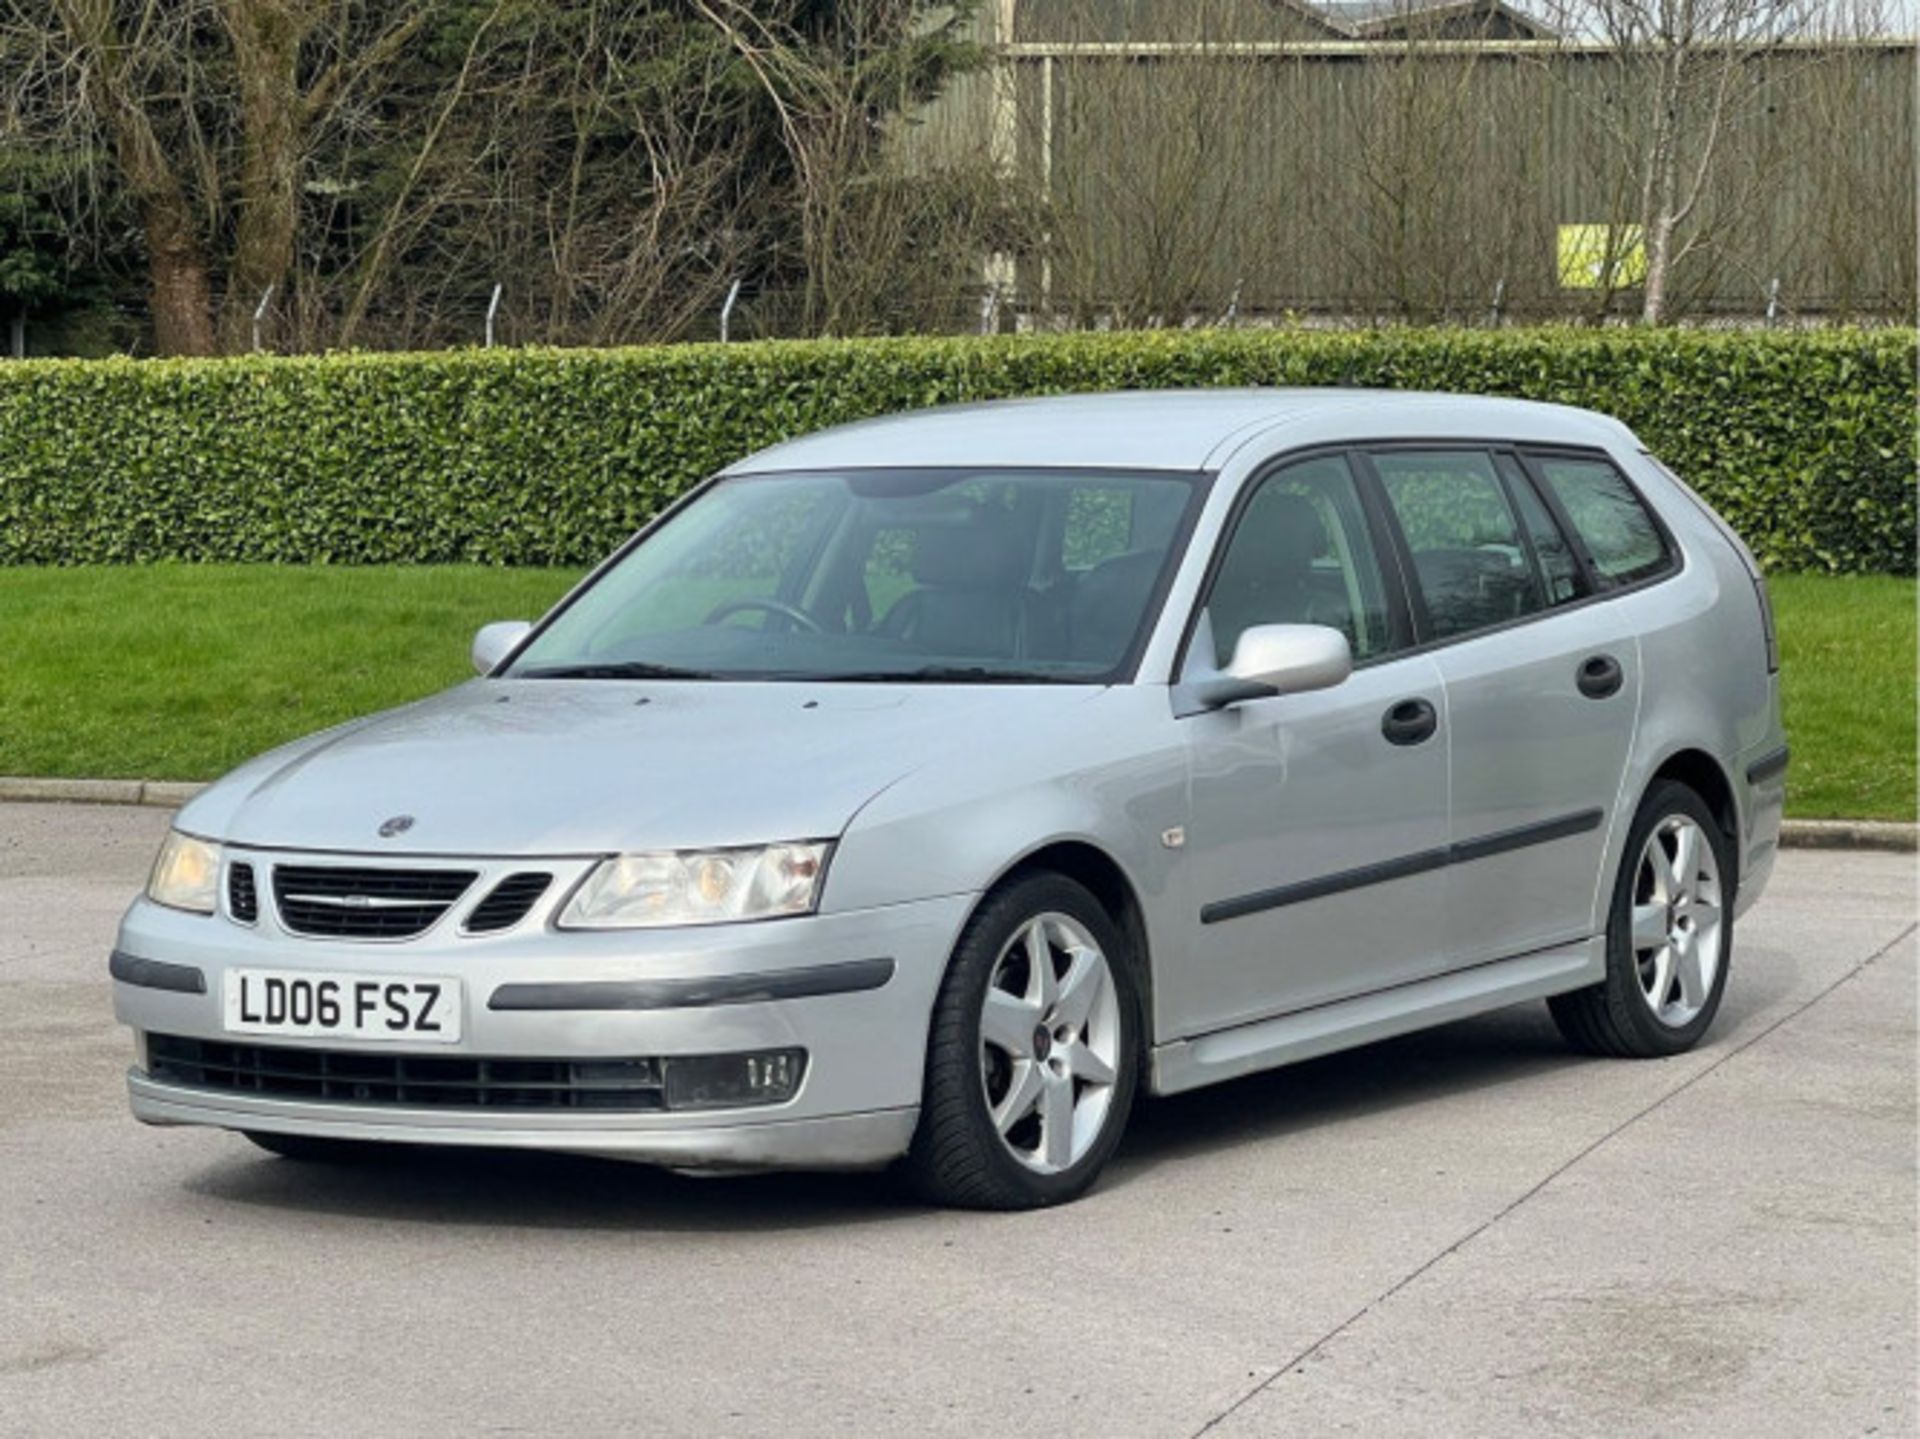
{"x":1170,"y":429}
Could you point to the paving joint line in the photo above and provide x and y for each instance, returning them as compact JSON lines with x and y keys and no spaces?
{"x":1481,"y":1228}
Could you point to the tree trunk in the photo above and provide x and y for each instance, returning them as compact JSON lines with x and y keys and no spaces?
{"x":1658,"y":241}
{"x":1661,"y":195}
{"x":176,"y":271}
{"x":267,"y":35}
{"x":176,"y":261}
{"x":182,"y":305}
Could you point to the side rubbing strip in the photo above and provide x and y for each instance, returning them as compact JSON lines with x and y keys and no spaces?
{"x":1547,"y":831}
{"x":818,"y":979}
{"x":1404,"y":867}
{"x":1767,"y":766}
{"x":156,"y":973}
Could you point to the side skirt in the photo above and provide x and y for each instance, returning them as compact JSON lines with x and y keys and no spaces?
{"x":1267,"y":1043}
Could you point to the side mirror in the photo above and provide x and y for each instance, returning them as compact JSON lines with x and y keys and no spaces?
{"x":1280,"y":660}
{"x":495,"y":642}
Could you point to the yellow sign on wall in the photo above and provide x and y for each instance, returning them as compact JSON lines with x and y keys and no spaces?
{"x":1600,"y":257}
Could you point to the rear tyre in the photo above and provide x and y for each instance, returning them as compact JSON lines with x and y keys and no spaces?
{"x":313,"y":1149}
{"x":1034,"y":1053}
{"x":1669,"y":935}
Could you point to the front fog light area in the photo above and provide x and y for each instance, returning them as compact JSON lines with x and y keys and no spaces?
{"x":733,"y":1081}
{"x":496,"y":1085}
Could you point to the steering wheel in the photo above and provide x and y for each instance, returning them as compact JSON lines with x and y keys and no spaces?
{"x":773,"y":607}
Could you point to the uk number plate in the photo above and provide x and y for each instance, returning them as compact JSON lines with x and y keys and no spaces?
{"x":310,"y":1005}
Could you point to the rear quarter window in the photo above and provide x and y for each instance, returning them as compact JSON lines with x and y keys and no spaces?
{"x":1613,"y":522}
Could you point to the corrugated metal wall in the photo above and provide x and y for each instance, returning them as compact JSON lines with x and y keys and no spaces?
{"x":1365,"y":179}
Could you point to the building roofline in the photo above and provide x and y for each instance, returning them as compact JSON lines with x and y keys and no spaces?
{"x":1376,"y":25}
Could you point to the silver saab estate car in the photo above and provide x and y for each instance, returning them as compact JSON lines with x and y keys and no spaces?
{"x":921,"y":790}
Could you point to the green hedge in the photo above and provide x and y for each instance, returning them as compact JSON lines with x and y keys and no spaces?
{"x":1804,"y":441}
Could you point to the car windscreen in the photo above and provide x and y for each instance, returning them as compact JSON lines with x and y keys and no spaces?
{"x":991,"y":576}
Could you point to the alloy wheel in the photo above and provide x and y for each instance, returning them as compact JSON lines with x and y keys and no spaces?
{"x":1677,"y":930}
{"x":1049,"y":1043}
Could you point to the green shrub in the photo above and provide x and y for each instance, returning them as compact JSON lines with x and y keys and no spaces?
{"x":1804,"y":441}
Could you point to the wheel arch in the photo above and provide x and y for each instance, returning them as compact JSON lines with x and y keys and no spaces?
{"x":1604,"y":1018}
{"x":1690,"y":764}
{"x":1700,"y":772}
{"x":1102,"y":876}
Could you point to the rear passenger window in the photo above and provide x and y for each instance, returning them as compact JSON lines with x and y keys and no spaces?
{"x":1469,"y":563}
{"x":1609,"y":517}
{"x":1559,"y":571}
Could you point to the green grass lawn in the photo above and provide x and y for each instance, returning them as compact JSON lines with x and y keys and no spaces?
{"x":180,"y":672}
{"x":1847,"y":666}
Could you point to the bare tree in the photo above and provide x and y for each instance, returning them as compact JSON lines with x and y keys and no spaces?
{"x":1682,"y":73}
{"x":93,"y":79}
{"x":1144,"y":161}
{"x":882,"y":246}
{"x":1848,"y":152}
{"x":1430,"y":149}
{"x":379,"y":164}
{"x":204,"y":110}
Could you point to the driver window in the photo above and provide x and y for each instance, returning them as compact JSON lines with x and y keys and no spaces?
{"x":1301,"y":555}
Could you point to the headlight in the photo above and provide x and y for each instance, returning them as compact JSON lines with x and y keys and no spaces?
{"x":706,"y":886}
{"x":186,"y":873}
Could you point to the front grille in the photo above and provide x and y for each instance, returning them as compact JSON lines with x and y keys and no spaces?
{"x":243,"y":900}
{"x":508,"y":902}
{"x":341,"y":902}
{"x":416,"y":1080}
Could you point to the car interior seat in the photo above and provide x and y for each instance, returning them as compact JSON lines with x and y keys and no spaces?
{"x":970,"y":598}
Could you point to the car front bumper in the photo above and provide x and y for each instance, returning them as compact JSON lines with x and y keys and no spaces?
{"x":839,"y":1141}
{"x":812,"y":983}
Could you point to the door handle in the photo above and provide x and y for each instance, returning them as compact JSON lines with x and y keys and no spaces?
{"x":1600,"y":676}
{"x":1410,"y":722}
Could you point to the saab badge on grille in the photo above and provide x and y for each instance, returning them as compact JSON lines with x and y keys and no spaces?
{"x":399,"y":824}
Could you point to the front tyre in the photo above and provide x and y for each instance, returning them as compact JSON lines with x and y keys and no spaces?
{"x":1034,"y":1052}
{"x":1669,"y":935}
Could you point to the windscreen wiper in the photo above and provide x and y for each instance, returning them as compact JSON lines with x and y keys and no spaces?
{"x":936,"y":674}
{"x":611,"y":670}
